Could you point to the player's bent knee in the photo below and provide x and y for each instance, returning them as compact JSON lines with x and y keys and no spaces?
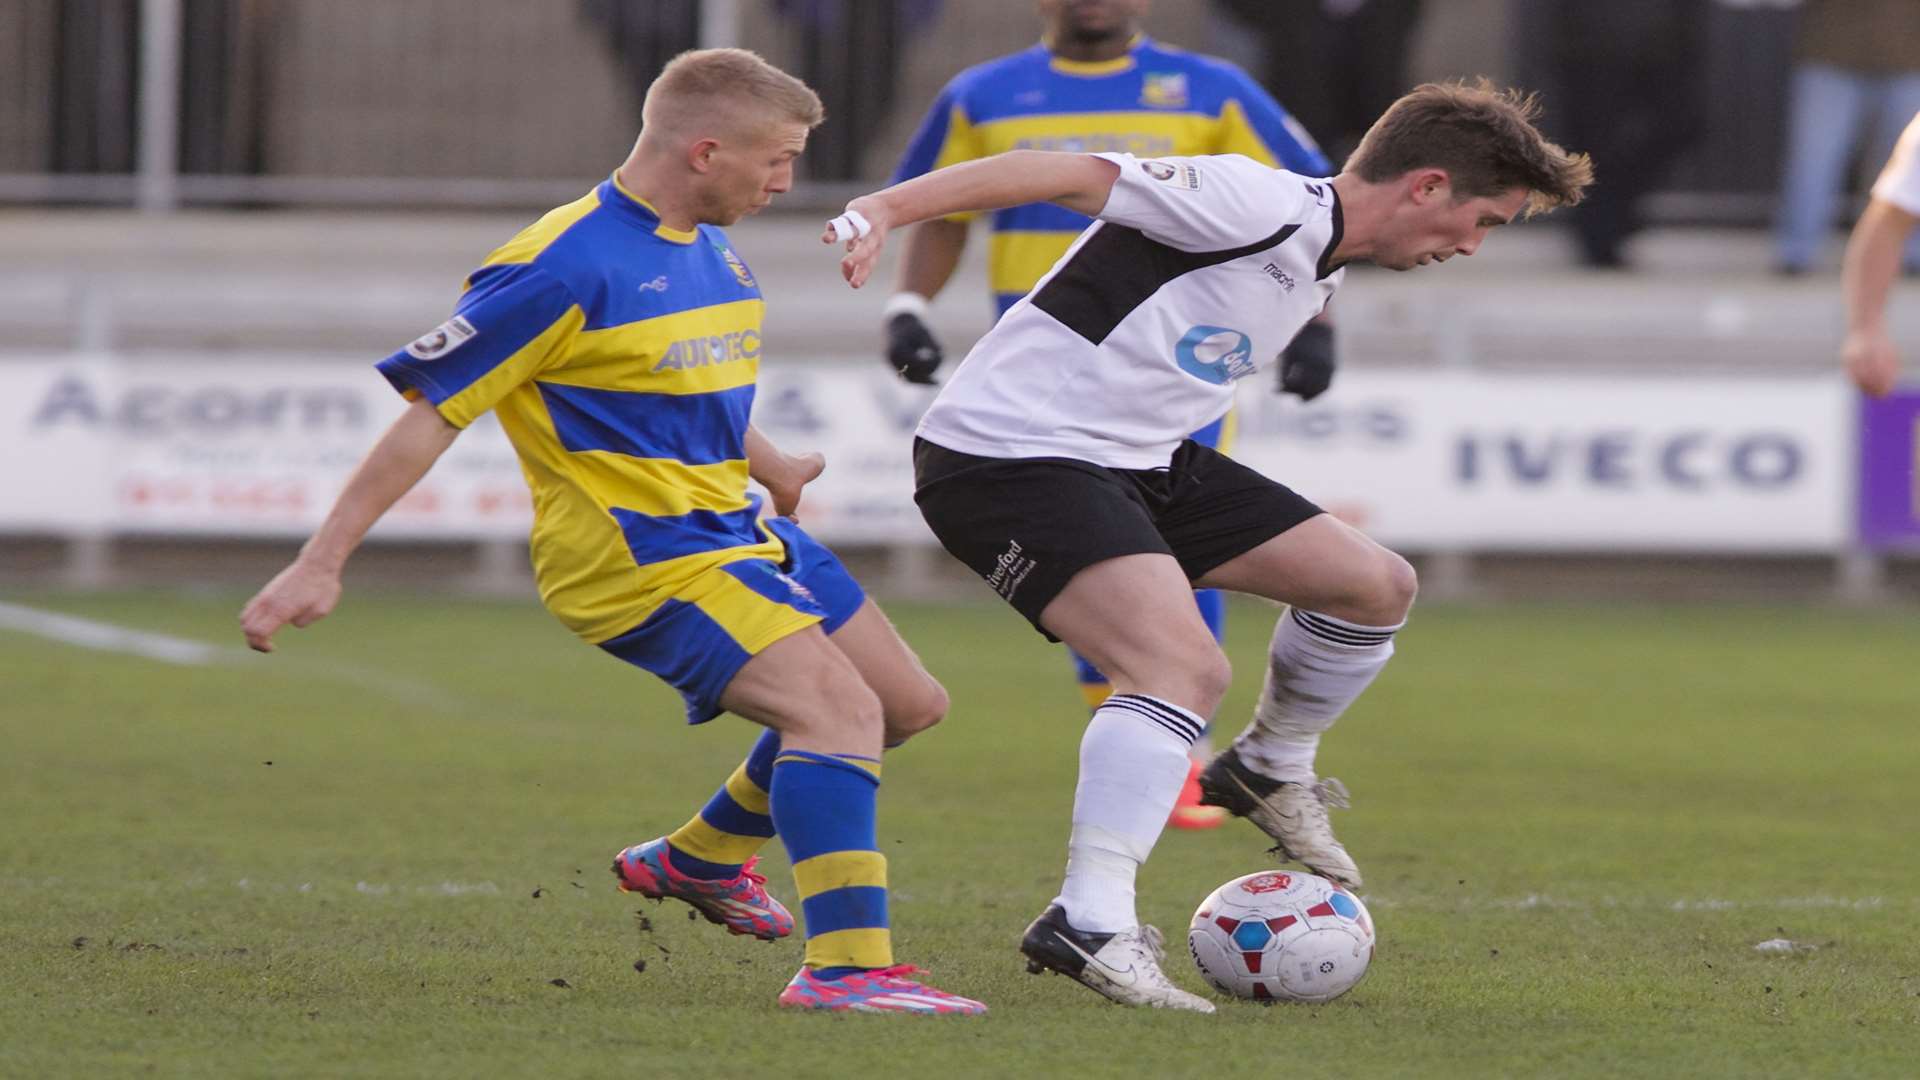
{"x":833,"y":706}
{"x":1195,"y":678}
{"x":1400,"y":586}
{"x":1380,"y":593}
{"x":906,"y":719}
{"x":1211,"y":680}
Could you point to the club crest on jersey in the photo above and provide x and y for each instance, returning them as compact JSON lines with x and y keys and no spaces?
{"x":1164,"y":90}
{"x":1168,"y":173}
{"x":1215,"y":354}
{"x":442,"y":339}
{"x":740,"y":272}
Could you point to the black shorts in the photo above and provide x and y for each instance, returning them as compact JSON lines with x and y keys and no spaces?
{"x":1028,"y":525}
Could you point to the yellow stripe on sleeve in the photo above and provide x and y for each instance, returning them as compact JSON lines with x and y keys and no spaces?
{"x":533,"y":239}
{"x":535,"y":356}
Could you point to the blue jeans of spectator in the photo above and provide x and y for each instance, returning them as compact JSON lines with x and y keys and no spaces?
{"x":1828,"y":107}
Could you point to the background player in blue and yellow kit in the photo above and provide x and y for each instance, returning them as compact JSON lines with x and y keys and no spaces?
{"x":1093,"y":84}
{"x":618,"y":340}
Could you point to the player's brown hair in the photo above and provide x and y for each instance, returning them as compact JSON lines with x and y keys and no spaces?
{"x":717,"y":83}
{"x":1485,"y":139}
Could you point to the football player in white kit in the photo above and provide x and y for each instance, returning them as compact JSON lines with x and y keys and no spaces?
{"x":1873,"y":258}
{"x":1055,"y":464}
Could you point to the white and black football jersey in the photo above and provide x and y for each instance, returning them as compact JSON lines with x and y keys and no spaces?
{"x":1899,"y":181}
{"x":1197,"y":273}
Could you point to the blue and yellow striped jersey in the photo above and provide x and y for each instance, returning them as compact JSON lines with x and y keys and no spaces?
{"x":1155,"y":101}
{"x":620,"y":356}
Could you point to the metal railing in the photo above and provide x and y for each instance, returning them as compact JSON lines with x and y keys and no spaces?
{"x":161,"y":103}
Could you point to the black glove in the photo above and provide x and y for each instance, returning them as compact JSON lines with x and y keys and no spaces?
{"x":1306,"y":364}
{"x":912,"y":350}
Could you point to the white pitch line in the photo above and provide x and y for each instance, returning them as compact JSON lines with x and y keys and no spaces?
{"x":1536,"y":901}
{"x":106,"y":637}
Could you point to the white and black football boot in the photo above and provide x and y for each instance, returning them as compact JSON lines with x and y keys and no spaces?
{"x":1295,"y":815}
{"x":1123,"y":967}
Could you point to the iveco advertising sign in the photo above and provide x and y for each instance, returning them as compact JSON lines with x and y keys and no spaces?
{"x":1422,"y":460}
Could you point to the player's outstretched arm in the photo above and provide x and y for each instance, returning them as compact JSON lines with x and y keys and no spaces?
{"x":1866,"y":276}
{"x":307,"y":590}
{"x":781,"y":473}
{"x":1079,"y":182}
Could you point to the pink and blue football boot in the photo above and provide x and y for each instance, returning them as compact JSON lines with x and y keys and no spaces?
{"x":882,"y":990}
{"x":741,"y":904}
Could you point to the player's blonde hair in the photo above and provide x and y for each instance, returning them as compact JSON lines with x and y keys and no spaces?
{"x":726,"y":85}
{"x":1485,"y":139}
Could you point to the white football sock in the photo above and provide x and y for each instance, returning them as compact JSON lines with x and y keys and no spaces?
{"x":1133,"y":761}
{"x":1316,"y":667}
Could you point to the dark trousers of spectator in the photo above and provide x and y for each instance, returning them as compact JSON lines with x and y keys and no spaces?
{"x":1335,"y":73}
{"x":1630,"y":94}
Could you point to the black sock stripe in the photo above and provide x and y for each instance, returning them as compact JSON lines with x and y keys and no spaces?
{"x":1161,"y":707}
{"x":1323,"y":622}
{"x":1184,"y":738}
{"x":1149,"y":714}
{"x":1325,"y":625}
{"x":1319,"y":627}
{"x":1178,"y":726}
{"x":1168,"y":712}
{"x":1179,"y":733}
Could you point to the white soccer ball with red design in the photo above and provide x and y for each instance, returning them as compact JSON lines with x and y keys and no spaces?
{"x":1282,"y":936}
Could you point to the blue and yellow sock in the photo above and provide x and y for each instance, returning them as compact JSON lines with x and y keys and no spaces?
{"x":735,"y":824}
{"x":823,"y":805}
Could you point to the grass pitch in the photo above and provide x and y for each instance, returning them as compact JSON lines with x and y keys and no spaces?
{"x":382,"y":851}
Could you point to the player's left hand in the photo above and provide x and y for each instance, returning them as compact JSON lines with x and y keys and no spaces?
{"x":300,"y":595}
{"x":1306,"y":364}
{"x":1871,"y":361}
{"x":795,"y":473}
{"x":863,"y":229}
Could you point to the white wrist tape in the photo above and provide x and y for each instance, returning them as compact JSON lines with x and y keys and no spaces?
{"x":851,"y":225}
{"x":905,"y":303}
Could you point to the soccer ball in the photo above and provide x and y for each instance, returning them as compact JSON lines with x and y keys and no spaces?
{"x":1282,"y":936}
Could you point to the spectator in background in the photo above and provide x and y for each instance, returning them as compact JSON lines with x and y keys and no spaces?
{"x":851,"y":50}
{"x":643,"y":36}
{"x":1631,"y":90}
{"x":1873,"y":253}
{"x":1856,"y":63}
{"x":1337,"y":64}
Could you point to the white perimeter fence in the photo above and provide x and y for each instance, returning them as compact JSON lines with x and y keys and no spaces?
{"x":1449,"y":463}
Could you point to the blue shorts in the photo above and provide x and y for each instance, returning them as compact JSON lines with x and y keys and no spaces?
{"x":701,"y":637}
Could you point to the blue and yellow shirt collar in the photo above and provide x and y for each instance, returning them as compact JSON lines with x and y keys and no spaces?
{"x":615,"y":194}
{"x":1097,"y":68}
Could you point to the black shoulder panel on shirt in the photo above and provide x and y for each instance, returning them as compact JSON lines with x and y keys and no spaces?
{"x":1117,"y":269}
